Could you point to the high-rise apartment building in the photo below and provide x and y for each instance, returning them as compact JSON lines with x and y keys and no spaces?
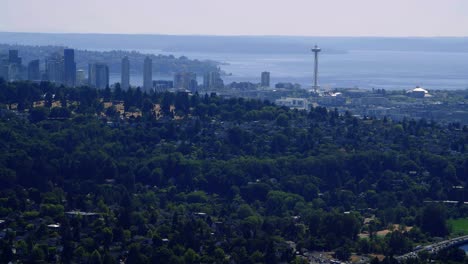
{"x":15,"y":72}
{"x":55,"y":68}
{"x":4,"y":68}
{"x":186,"y":80}
{"x":98,"y":75}
{"x":147,"y":74}
{"x":212,"y":80}
{"x":125,"y":81}
{"x":15,"y":68}
{"x":206,"y":80}
{"x":80,"y":77}
{"x":69,"y":67}
{"x":34,"y":73}
{"x":13,"y":57}
{"x":265,"y":79}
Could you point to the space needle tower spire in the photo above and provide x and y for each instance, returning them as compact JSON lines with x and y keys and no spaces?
{"x":316,"y":51}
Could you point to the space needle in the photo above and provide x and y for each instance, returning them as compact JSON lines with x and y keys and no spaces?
{"x":316,"y":51}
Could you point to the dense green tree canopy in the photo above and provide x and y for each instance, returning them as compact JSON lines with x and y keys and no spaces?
{"x":203,"y":179}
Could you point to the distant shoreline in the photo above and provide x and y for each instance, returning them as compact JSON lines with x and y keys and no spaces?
{"x":163,"y":65}
{"x":236,"y":44}
{"x":385,"y":63}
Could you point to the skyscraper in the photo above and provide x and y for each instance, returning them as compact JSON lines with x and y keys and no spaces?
{"x":147,"y":74}
{"x":206,"y":80}
{"x":80,"y":77}
{"x":15,"y":68}
{"x":13,"y":57}
{"x":4,"y":68}
{"x":92,"y":75}
{"x":125,"y":82}
{"x":14,"y":72}
{"x":33,"y":71}
{"x":69,"y":67}
{"x":102,"y":76}
{"x":55,"y":68}
{"x":98,"y":75}
{"x":186,"y":80}
{"x":265,"y":79}
{"x":212,"y":80}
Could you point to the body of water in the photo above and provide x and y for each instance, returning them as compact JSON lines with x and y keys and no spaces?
{"x":364,"y":62}
{"x":464,"y":247}
{"x":355,"y":68}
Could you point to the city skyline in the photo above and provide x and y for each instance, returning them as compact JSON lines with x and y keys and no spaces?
{"x":330,"y":18}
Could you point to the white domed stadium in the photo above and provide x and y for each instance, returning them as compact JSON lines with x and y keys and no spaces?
{"x":418,"y":92}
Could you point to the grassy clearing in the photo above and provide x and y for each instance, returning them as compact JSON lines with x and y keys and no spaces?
{"x":459,"y":226}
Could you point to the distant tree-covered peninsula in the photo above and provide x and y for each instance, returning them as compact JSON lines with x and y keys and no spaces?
{"x":162,"y":64}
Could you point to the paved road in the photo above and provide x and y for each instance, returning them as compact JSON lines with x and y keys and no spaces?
{"x":436,"y":247}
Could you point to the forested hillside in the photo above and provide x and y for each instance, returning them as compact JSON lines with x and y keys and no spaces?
{"x":203,"y":179}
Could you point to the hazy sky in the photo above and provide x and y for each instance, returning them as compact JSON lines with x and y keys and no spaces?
{"x":239,"y":17}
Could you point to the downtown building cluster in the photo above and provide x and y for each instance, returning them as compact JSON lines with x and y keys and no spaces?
{"x":182,"y":80}
{"x":58,"y":68}
{"x":61,"y":68}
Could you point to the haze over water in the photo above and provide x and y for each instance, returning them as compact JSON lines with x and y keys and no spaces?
{"x":364,"y":62}
{"x":354,"y":68}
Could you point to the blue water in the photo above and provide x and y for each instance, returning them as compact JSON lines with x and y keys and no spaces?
{"x":364,"y":68}
{"x":365,"y":62}
{"x":464,"y":247}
